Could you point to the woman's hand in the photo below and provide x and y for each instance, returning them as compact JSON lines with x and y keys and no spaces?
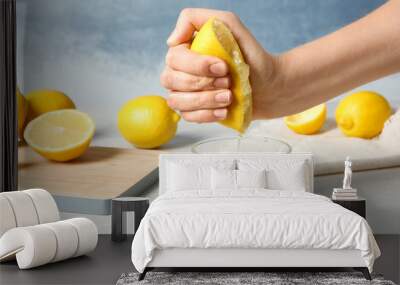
{"x":298,"y":79}
{"x":200,"y":85}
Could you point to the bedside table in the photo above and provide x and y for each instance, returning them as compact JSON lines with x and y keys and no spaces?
{"x":119,"y":206}
{"x":357,"y":206}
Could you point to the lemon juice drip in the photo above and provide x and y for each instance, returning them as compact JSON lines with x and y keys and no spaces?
{"x":239,"y":139}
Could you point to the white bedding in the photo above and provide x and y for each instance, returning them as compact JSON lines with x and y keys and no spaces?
{"x":252,"y":218}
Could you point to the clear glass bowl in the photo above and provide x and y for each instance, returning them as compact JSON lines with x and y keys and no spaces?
{"x":239,"y":144}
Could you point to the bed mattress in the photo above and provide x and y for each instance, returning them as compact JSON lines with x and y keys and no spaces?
{"x":251,"y":219}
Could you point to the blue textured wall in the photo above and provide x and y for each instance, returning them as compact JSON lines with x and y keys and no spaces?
{"x":134,"y":32}
{"x":128,"y":26}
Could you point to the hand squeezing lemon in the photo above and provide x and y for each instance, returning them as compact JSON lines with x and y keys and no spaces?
{"x":148,"y":122}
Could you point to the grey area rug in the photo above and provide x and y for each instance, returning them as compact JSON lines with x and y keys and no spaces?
{"x":269,"y":278}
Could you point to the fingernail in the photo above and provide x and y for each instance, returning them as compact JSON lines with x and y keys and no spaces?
{"x":170,"y":103}
{"x":171,"y":38}
{"x":220,"y":113}
{"x":223,"y":97}
{"x":218,"y":69}
{"x":222,"y":82}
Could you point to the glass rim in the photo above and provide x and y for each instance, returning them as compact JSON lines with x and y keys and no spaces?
{"x":255,"y":137}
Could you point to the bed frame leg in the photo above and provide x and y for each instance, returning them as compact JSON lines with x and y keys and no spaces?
{"x":364,"y":271}
{"x":143,"y":274}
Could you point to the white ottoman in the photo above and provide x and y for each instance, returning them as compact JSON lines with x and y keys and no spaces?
{"x":31,"y":233}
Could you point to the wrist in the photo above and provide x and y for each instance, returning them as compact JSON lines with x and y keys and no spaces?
{"x":271,"y":102}
{"x":291,"y":84}
{"x":278,"y":80}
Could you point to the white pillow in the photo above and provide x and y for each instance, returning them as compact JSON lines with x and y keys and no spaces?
{"x":181,"y":178}
{"x":251,"y":178}
{"x":228,"y":179}
{"x":189,"y":175}
{"x":223,"y":179}
{"x":284,"y":174}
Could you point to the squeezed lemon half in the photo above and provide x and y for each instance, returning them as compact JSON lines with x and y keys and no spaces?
{"x":215,"y":39}
{"x":307,"y":122}
{"x":60,"y":135}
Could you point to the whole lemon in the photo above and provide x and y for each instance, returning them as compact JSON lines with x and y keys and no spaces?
{"x":147,"y":121}
{"x":43,"y":101}
{"x":22,"y":106}
{"x":362,"y":114}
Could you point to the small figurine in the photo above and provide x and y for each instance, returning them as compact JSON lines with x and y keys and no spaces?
{"x":347,"y":174}
{"x":346,"y":192}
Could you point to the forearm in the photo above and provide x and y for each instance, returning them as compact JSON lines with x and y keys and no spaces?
{"x":320,"y":70}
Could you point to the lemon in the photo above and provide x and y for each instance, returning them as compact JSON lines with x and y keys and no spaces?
{"x":215,"y":39}
{"x":307,"y":122}
{"x":60,"y":135}
{"x":362,"y":114}
{"x":43,"y":101}
{"x":22,"y":106}
{"x":147,"y":121}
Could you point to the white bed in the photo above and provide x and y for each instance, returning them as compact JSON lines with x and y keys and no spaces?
{"x":193,"y":224}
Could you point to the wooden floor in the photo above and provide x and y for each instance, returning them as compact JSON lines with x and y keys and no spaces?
{"x":110,"y":260}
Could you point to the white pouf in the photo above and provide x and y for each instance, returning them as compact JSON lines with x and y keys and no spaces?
{"x":32,"y":246}
{"x":67,"y":238}
{"x":26,"y":208}
{"x":87,"y":233}
{"x":7,"y":220}
{"x":23,"y":208}
{"x":40,"y":244}
{"x":31,"y":232}
{"x":46,"y":207}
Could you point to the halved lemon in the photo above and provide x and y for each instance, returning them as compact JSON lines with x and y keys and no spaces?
{"x":307,"y":122}
{"x":215,"y":39}
{"x":60,"y":135}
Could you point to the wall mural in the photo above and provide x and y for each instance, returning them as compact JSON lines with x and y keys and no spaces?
{"x":96,"y":55}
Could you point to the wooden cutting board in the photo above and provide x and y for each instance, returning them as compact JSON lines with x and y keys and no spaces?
{"x":101,"y":173}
